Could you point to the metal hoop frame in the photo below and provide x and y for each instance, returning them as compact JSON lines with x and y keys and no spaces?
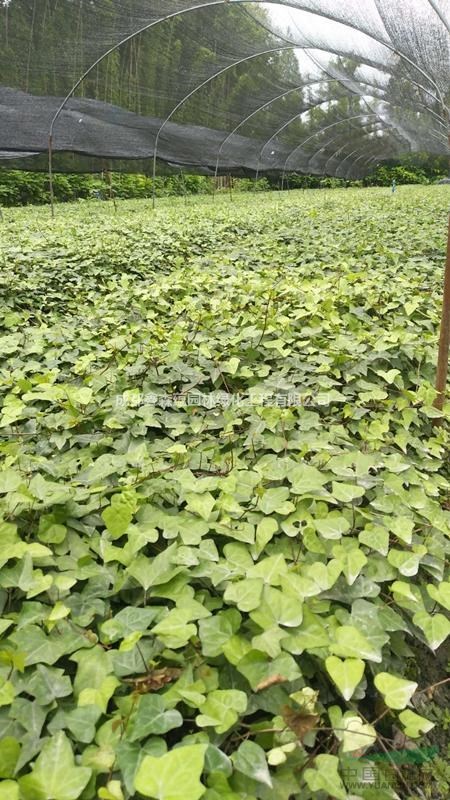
{"x":364,"y":128}
{"x":294,"y":4}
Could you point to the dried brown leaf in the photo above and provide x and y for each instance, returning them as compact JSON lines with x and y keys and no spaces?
{"x":299,"y":722}
{"x":155,"y":680}
{"x":273,"y":680}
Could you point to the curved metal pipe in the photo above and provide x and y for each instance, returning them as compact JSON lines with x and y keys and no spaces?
{"x":334,"y":124}
{"x":290,"y":3}
{"x":331,"y":141}
{"x":347,"y":175}
{"x":322,"y":130}
{"x":388,"y":45}
{"x":298,"y":116}
{"x":368,"y":161}
{"x":438,"y":99}
{"x":324,"y":147}
{"x":440,"y":14}
{"x":273,"y":100}
{"x":366,"y":130}
{"x":96,"y":63}
{"x":201,"y":86}
{"x":198,"y":6}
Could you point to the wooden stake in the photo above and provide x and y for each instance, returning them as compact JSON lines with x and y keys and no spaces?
{"x":50,"y":174}
{"x":444,"y":342}
{"x":111,"y":190}
{"x":230,"y":184}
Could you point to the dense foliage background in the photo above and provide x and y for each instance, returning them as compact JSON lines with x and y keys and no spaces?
{"x":224,"y":499}
{"x":31,"y":188}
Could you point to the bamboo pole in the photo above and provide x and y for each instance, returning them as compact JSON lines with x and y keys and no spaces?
{"x":444,"y":341}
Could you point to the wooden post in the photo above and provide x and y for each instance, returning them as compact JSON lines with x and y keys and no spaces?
{"x":444,"y":342}
{"x":111,"y":190}
{"x":50,"y":174}
{"x":183,"y":184}
{"x":230,"y":185}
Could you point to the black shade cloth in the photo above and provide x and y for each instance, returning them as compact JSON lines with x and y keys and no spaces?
{"x":216,"y":87}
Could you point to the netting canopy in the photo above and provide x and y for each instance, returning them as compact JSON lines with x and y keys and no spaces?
{"x":314,"y":86}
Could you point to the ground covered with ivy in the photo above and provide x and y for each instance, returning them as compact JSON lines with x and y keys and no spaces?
{"x":225,"y":498}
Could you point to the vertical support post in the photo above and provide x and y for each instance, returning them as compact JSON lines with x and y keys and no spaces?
{"x":183,"y":184}
{"x":444,"y":341}
{"x":230,"y":183}
{"x":111,"y":192}
{"x":154,"y":177}
{"x":50,"y":174}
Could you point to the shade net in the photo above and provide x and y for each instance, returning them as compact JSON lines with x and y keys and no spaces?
{"x":228,"y":86}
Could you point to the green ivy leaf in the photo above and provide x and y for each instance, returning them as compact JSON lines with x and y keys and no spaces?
{"x":415,"y":725}
{"x":9,"y":480}
{"x":222,"y":709}
{"x":50,"y":531}
{"x":49,"y":683}
{"x":334,"y":526}
{"x":9,"y":756}
{"x":250,"y":759}
{"x":271,"y":570}
{"x":129,"y":620}
{"x":54,"y":775}
{"x":346,"y":674}
{"x":357,"y":734}
{"x":441,"y":593}
{"x":346,"y":492}
{"x":112,"y":791}
{"x":174,"y":776}
{"x":9,"y":790}
{"x":312,"y":634}
{"x":201,"y":504}
{"x":81,"y":722}
{"x":375,"y":537}
{"x":175,"y":630}
{"x":130,"y":756}
{"x":407,"y":563}
{"x":100,"y":695}
{"x":152,"y":717}
{"x":402,"y":527}
{"x":396,"y":692}
{"x":351,"y":643}
{"x":217,"y":630}
{"x":245,"y":594}
{"x":273,"y":500}
{"x":325,"y":777}
{"x":7,"y":692}
{"x":436,"y":627}
{"x":118,"y":515}
{"x":307,"y":480}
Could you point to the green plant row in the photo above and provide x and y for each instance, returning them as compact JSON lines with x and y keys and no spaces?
{"x":224,"y":499}
{"x":32,"y":188}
